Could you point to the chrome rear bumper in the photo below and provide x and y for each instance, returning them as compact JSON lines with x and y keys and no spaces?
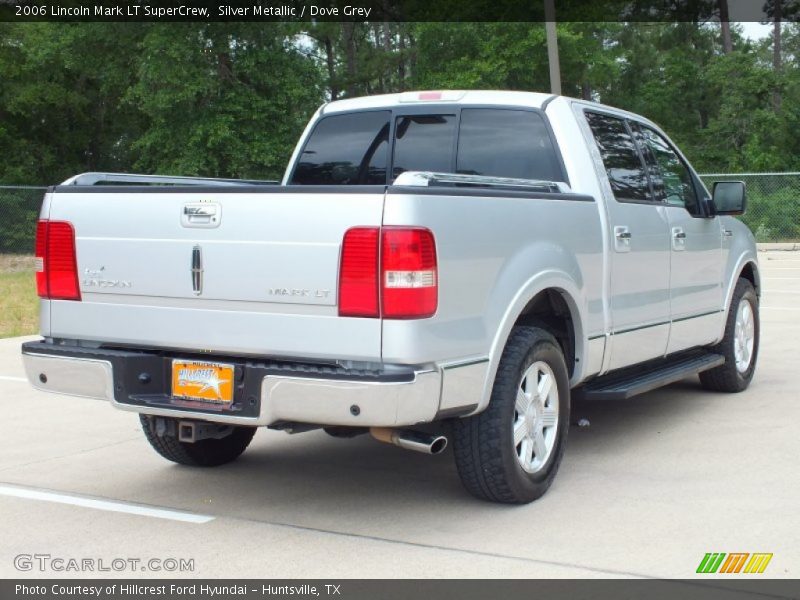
{"x":316,"y":400}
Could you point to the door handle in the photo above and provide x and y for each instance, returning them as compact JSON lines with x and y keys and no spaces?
{"x":678,"y":239}
{"x":205,"y":210}
{"x":205,"y":215}
{"x":622,"y":239}
{"x":727,"y":233}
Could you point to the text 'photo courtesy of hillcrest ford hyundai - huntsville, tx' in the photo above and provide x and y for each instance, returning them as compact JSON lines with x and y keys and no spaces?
{"x":470,"y":260}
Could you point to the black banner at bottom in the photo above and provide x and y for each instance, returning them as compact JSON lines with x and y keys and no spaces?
{"x":371,"y":589}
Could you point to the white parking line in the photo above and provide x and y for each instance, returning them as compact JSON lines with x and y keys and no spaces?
{"x":780,"y":307}
{"x":109,"y":505}
{"x":9,"y":378}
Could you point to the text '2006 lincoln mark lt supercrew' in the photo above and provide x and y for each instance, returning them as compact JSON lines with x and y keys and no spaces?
{"x":469,"y":258}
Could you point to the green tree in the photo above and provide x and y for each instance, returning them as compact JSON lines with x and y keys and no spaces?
{"x":60,"y":99}
{"x":222,"y":99}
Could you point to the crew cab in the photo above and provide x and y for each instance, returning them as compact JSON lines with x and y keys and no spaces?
{"x":473,"y":259}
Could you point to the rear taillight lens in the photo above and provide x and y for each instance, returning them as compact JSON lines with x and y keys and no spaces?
{"x":409,"y":288}
{"x":41,"y":251}
{"x":389,"y":272}
{"x":358,"y":273}
{"x":56,"y":265}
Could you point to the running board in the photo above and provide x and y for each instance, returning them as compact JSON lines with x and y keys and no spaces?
{"x":632,"y":381}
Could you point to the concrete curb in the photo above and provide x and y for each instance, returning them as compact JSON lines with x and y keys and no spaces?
{"x":779,"y":246}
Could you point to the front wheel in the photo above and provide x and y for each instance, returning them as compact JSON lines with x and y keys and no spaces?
{"x":740,"y":344}
{"x":511,"y":451}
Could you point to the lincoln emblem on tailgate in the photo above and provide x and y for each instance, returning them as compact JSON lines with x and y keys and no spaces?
{"x":197,"y":271}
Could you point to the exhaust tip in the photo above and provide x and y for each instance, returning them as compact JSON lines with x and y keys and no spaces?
{"x":438,"y":445}
{"x":411,"y":440}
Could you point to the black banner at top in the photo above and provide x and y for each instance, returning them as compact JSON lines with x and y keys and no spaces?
{"x":379,"y":10}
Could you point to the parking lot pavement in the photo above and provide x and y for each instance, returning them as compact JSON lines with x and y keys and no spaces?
{"x":646,"y":490}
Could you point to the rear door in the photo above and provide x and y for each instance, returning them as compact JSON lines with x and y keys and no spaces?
{"x":640,"y":247}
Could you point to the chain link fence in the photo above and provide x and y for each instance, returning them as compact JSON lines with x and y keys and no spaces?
{"x":19,"y":209}
{"x":773,"y":203}
{"x":773,"y":209}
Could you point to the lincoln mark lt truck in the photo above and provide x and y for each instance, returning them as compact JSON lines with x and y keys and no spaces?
{"x":470,"y":258}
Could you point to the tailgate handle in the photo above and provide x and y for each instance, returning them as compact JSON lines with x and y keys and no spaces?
{"x":201,"y":214}
{"x":200,"y":211}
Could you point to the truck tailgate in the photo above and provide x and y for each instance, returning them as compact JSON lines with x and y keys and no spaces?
{"x":249,"y":271}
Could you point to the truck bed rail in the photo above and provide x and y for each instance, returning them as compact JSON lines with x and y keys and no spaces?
{"x":98,"y":178}
{"x":428,"y":179}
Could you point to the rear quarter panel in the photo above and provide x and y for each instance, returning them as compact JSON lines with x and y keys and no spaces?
{"x":494,"y":255}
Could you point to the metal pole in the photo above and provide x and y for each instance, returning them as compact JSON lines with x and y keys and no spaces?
{"x":552,"y":46}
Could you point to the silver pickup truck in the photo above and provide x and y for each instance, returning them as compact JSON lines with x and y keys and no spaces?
{"x":468,"y":258}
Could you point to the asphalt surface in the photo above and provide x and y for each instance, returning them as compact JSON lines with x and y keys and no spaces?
{"x":649,"y":487}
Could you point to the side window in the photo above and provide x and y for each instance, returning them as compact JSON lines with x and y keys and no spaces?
{"x":673,"y":181}
{"x":424,"y":143}
{"x":621,"y":158}
{"x":506,"y":143}
{"x":348,"y":149}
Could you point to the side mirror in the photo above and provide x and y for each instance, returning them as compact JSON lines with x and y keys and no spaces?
{"x":729,"y":197}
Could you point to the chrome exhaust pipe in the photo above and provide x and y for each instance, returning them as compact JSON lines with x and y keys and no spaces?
{"x":410,"y":440}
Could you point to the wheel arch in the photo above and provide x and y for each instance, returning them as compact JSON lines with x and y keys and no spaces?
{"x":747,"y":268}
{"x":549,"y":300}
{"x":750,"y":272}
{"x":742,"y":263}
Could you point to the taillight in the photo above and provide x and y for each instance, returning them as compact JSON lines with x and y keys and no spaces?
{"x":56,"y":265}
{"x":41,"y":251}
{"x":409,"y":288}
{"x":358,"y":273}
{"x":401,"y":283}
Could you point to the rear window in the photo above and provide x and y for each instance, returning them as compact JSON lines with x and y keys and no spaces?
{"x":506,"y":143}
{"x":424,"y":143}
{"x":349,"y":149}
{"x":353,"y":148}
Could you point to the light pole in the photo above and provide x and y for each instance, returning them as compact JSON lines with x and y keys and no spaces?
{"x":552,"y":46}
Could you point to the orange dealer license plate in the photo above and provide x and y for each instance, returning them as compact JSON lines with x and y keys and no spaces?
{"x":204,"y":381}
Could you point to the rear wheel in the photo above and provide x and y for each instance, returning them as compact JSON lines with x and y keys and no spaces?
{"x":162,"y":433}
{"x":511,"y":451}
{"x":740,"y":344}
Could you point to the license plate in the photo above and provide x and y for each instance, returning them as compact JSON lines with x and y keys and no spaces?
{"x":204,"y":381}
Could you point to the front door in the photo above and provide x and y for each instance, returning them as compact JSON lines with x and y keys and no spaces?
{"x":695,"y":242}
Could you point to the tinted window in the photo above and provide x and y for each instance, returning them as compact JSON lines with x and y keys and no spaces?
{"x":424,"y":143}
{"x":672,"y":180}
{"x":346,"y":149}
{"x":649,"y":160}
{"x":620,"y":157}
{"x":506,"y":143}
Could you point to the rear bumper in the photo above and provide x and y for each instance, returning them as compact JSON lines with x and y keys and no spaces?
{"x":266,"y":393}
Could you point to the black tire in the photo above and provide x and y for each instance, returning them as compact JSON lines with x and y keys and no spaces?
{"x":203,"y":453}
{"x":485,"y":453}
{"x":726,"y":377}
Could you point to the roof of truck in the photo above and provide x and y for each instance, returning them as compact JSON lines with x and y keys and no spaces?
{"x":483,"y":97}
{"x":462,"y":97}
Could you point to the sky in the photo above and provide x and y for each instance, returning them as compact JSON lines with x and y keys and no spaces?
{"x":756,"y":31}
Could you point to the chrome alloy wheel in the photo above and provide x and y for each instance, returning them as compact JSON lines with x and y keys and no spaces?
{"x":536,"y":416}
{"x":744,"y":336}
